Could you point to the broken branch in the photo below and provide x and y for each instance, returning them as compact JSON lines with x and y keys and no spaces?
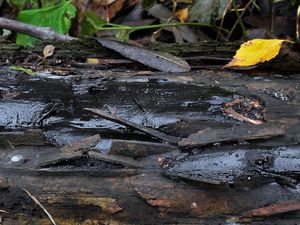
{"x":43,"y":33}
{"x":146,"y":130}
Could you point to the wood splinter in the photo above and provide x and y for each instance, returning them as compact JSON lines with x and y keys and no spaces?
{"x":146,"y":130}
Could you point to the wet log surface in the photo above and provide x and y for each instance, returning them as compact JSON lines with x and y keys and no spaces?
{"x":85,"y":169}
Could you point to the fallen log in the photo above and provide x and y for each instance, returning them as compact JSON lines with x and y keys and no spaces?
{"x":147,"y":198}
{"x":89,"y":186}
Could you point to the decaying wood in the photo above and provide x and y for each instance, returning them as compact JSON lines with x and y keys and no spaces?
{"x":41,"y":206}
{"x":72,"y":150}
{"x":49,"y":159}
{"x":161,"y":61}
{"x":84,"y":144}
{"x":235,"y":133}
{"x":77,"y":149}
{"x":277,"y":208}
{"x":222,"y":50}
{"x":27,"y":137}
{"x":79,"y":50}
{"x":241,"y":168}
{"x":138,"y":148}
{"x":125,"y":161}
{"x":235,"y":115}
{"x":89,"y":187}
{"x":4,"y":185}
{"x":154,"y":133}
{"x":146,"y":197}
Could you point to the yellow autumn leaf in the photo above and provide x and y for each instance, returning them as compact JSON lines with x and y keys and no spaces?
{"x":182,"y":14}
{"x":256,"y":51}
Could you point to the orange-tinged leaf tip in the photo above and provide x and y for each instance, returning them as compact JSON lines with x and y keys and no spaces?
{"x":256,"y":51}
{"x":182,"y":14}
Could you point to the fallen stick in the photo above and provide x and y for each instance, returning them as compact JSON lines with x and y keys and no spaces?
{"x":81,"y":145}
{"x":274,"y":209}
{"x":236,"y":133}
{"x":73,"y":150}
{"x":43,"y":33}
{"x":41,"y":206}
{"x":232,"y":113}
{"x":146,"y":130}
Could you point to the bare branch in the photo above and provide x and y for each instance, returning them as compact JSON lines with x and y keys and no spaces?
{"x":43,"y":33}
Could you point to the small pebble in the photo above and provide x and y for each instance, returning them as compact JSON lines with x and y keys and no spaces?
{"x":16,"y":158}
{"x":194,"y":205}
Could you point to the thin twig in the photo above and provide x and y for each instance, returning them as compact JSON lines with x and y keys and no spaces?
{"x":146,"y":130}
{"x":223,"y":17}
{"x":297,"y":24}
{"x":107,"y":11}
{"x":41,"y":206}
{"x":43,"y":33}
{"x":135,"y":28}
{"x":241,"y":15}
{"x":232,"y":113}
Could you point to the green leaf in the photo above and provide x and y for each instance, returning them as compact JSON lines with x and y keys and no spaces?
{"x":22,"y":69}
{"x":123,"y":35}
{"x":91,"y":23}
{"x":57,"y":17}
{"x":207,"y":11}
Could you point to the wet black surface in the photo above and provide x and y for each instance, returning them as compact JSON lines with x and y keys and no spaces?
{"x":17,"y":114}
{"x":238,"y":167}
{"x":83,"y":163}
{"x":177,"y":104}
{"x":58,"y":108}
{"x":157,"y":103}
